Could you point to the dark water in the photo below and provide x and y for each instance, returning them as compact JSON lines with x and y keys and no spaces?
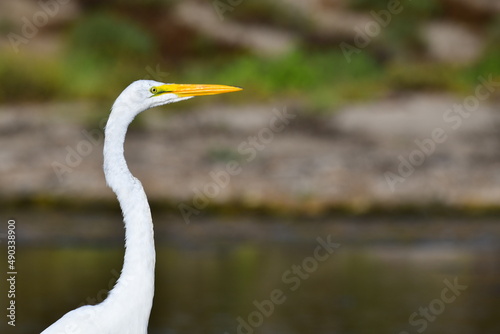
{"x":277,"y":277}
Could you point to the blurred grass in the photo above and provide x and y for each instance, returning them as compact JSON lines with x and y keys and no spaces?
{"x":95,"y":47}
{"x":105,"y":51}
{"x":271,"y":13}
{"x":322,"y":79}
{"x":28,"y":79}
{"x":299,"y":74}
{"x":401,"y":37}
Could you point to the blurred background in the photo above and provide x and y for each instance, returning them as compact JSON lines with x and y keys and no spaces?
{"x":373,"y":125}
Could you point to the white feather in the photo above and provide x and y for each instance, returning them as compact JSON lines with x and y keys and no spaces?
{"x":127,"y":308}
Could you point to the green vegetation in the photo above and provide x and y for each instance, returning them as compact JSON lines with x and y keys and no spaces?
{"x":223,"y":155}
{"x":425,"y":76}
{"x":104,"y":38}
{"x":270,"y":13}
{"x":401,"y":36}
{"x":311,"y":75}
{"x":323,"y":79}
{"x":29,"y":79}
{"x":104,"y":52}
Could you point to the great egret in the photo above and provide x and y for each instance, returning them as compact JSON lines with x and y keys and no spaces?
{"x":126,"y":309}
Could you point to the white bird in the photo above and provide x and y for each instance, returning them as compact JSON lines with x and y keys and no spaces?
{"x":126,"y":309}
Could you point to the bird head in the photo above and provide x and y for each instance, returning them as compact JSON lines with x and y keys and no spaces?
{"x":145,"y":94}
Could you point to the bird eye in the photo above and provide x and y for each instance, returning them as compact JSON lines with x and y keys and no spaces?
{"x":153,"y":90}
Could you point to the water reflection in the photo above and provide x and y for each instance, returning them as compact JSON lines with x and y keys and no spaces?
{"x":278,"y":286}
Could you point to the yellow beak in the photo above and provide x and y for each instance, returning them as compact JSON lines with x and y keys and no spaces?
{"x":196,"y":90}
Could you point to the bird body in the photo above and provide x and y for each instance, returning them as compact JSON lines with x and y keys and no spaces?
{"x":127,"y":308}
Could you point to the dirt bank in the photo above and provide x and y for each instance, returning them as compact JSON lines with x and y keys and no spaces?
{"x":417,"y":149}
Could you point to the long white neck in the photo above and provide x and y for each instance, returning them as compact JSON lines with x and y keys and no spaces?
{"x":133,"y":293}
